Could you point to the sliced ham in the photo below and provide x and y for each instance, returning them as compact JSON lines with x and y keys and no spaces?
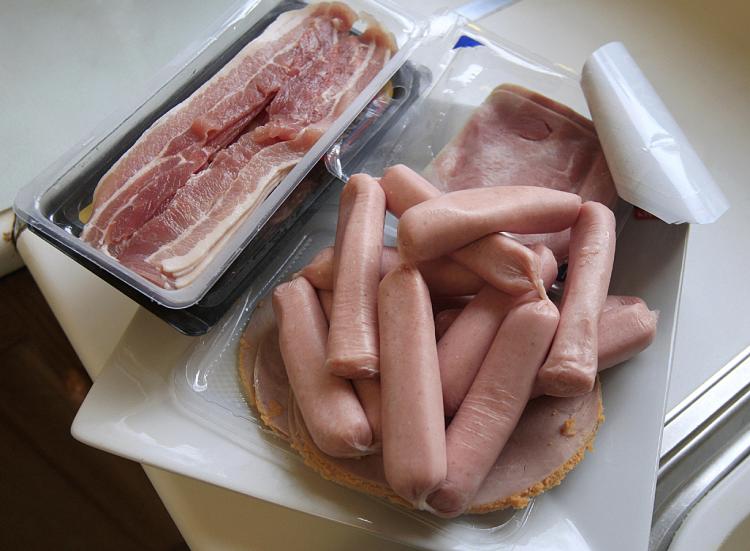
{"x":271,"y":384}
{"x":518,"y":137}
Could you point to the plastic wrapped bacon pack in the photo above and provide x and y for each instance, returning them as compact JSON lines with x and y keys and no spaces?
{"x":440,"y":374}
{"x":169,"y":204}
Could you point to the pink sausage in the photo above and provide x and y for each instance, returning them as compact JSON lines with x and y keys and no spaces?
{"x":442,"y":275}
{"x":404,"y":188}
{"x":463,"y":347}
{"x":326,"y":302}
{"x":624,"y":331}
{"x":412,"y":411}
{"x":614,"y":301}
{"x":444,"y":319}
{"x":449,"y":303}
{"x":570,"y":368}
{"x":319,"y":272}
{"x":368,"y":390}
{"x":494,"y":404}
{"x":352,"y":350}
{"x":499,"y":260}
{"x":328,"y":403}
{"x":442,"y":225}
{"x":488,"y":258}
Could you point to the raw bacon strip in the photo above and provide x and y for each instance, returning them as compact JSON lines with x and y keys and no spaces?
{"x":187,"y":220}
{"x":191,"y":204}
{"x":253,"y":184}
{"x":327,"y":87}
{"x":136,"y":188}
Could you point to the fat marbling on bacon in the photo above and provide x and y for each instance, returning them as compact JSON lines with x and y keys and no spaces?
{"x":167,"y":207}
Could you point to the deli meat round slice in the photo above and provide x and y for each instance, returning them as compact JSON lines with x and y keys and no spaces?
{"x":549,"y":440}
{"x":262,"y":321}
{"x":272,"y":385}
{"x":518,"y":137}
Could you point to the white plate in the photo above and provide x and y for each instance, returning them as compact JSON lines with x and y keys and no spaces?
{"x":143,"y":407}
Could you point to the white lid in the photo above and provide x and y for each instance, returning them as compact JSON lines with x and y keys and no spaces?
{"x":652,"y":163}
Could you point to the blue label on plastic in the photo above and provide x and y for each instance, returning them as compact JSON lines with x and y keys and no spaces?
{"x":466,"y":42}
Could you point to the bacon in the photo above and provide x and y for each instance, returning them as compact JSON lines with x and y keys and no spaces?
{"x":172,"y":248}
{"x":184,"y":140}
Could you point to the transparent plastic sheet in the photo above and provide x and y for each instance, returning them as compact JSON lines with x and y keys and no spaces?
{"x":45,"y":204}
{"x":207,"y":385}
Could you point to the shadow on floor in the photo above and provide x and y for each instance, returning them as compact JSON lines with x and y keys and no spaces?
{"x":56,"y":492}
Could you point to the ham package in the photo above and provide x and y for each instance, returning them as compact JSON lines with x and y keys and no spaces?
{"x":440,"y":375}
{"x":168,"y":205}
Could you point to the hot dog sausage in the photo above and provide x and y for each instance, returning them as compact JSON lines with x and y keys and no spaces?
{"x":624,"y":331}
{"x":319,"y":272}
{"x":412,"y":409}
{"x":326,"y":302}
{"x":444,"y":319}
{"x":494,"y":404}
{"x":352,"y":350}
{"x":328,"y":403}
{"x":464,"y":346}
{"x":443,"y":276}
{"x":570,"y":368}
{"x":444,"y":224}
{"x":499,"y":260}
{"x":368,"y":390}
{"x":626,"y":328}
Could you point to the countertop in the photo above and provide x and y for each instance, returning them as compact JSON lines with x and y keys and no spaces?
{"x":78,"y":62}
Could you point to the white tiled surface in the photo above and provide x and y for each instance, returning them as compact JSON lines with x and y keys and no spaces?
{"x":73,"y":64}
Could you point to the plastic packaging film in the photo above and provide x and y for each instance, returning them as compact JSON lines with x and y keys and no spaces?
{"x":652,"y":162}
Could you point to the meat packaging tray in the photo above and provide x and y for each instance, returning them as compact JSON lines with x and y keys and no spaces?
{"x":52,"y":204}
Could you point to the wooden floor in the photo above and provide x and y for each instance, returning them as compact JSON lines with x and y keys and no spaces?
{"x":56,"y":493}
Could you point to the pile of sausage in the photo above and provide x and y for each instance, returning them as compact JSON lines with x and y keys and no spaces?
{"x":381,"y":346}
